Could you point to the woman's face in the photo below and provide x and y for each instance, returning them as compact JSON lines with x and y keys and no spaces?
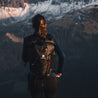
{"x":42,"y":29}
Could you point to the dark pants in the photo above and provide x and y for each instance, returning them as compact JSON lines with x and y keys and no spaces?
{"x":40,"y":87}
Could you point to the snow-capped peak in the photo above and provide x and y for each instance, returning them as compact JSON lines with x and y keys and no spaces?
{"x":51,"y":11}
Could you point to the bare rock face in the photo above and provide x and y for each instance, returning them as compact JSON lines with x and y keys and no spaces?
{"x":77,"y":32}
{"x":12,"y":3}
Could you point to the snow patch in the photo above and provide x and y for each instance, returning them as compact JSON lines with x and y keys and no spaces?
{"x":14,"y":38}
{"x":51,"y":11}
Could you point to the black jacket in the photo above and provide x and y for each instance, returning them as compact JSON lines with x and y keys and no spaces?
{"x":26,"y":55}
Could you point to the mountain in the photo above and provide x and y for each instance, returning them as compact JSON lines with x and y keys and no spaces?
{"x":77,"y":33}
{"x":12,"y":3}
{"x":52,"y":11}
{"x":20,"y":3}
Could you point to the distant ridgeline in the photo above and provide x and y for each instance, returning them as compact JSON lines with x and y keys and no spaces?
{"x":20,"y":3}
{"x":12,"y":3}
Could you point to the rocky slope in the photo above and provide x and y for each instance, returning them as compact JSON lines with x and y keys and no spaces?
{"x":51,"y":9}
{"x":78,"y":31}
{"x":20,"y":3}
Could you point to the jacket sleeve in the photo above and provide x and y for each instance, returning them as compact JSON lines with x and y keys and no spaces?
{"x":61,"y":56}
{"x":25,"y":51}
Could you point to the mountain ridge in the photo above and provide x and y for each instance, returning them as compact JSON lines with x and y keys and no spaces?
{"x":20,"y":3}
{"x":51,"y":11}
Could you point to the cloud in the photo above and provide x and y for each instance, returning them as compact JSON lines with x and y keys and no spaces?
{"x":14,"y":38}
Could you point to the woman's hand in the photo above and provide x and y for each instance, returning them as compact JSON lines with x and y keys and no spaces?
{"x":58,"y":75}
